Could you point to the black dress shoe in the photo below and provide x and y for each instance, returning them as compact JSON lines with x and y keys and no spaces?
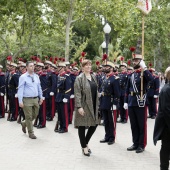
{"x":132,"y":148}
{"x":124,"y":121}
{"x":89,"y":150}
{"x":57,"y":130}
{"x":85,"y":154}
{"x":1,"y":116}
{"x":120,"y":121}
{"x":62,"y":131}
{"x":12,"y":119}
{"x":103,"y":141}
{"x":111,"y":142}
{"x":49,"y":119}
{"x":153,"y":117}
{"x":139,"y":150}
{"x":40,"y":126}
{"x":149,"y":116}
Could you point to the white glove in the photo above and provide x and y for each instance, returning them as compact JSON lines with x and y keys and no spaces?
{"x":43,"y":98}
{"x":51,"y":93}
{"x":114,"y":107}
{"x":16,"y":95}
{"x":142,"y":64}
{"x":65,"y":100}
{"x":125,"y":106}
{"x":72,"y":96}
{"x":99,"y":94}
{"x":155,"y":96}
{"x":2,"y":94}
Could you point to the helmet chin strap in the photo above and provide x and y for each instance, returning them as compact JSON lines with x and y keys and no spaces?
{"x":60,"y":69}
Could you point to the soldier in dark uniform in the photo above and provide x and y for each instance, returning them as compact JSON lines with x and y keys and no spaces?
{"x":62,"y":97}
{"x":2,"y":93}
{"x":13,"y":88}
{"x":50,"y":93}
{"x":109,"y":99}
{"x":123,"y":77}
{"x":136,"y":105}
{"x":152,"y":94}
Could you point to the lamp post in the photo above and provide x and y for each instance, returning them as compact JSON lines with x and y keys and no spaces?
{"x":103,"y":46}
{"x":107,"y":30}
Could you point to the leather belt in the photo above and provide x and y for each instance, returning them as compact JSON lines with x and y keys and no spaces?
{"x":30,"y":97}
{"x":134,"y":94}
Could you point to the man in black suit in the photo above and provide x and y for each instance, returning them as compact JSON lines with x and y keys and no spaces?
{"x":162,"y":123}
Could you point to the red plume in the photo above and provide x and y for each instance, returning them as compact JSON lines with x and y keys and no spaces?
{"x":83,"y":54}
{"x":60,"y":59}
{"x":9,"y":58}
{"x":46,"y":57}
{"x":38,"y":59}
{"x":132,"y":49}
{"x":150,"y":64}
{"x":97,"y":63}
{"x":104,"y":56}
{"x":75,"y":63}
{"x":51,"y":59}
{"x":56,"y":58}
{"x":122,"y":58}
{"x":129,"y":62}
{"x":63,"y":59}
{"x":114,"y":60}
{"x":80,"y":60}
{"x":55,"y":61}
{"x":20,"y":59}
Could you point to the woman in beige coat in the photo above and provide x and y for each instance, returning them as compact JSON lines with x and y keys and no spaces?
{"x":86,"y":105}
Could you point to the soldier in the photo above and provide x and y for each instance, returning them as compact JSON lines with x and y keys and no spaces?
{"x":13,"y":87}
{"x":123,"y":77}
{"x":109,"y":99}
{"x":62,"y":97}
{"x":2,"y":93}
{"x":50,"y":93}
{"x":152,"y":94}
{"x":136,"y":105}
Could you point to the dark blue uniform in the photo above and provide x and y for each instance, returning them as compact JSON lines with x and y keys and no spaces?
{"x":123,"y":77}
{"x":13,"y":101}
{"x":2,"y":93}
{"x":110,"y":96}
{"x":50,"y":100}
{"x":152,"y":94}
{"x":136,"y":108}
{"x":63,"y":92}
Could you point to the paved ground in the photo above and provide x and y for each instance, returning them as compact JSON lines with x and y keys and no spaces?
{"x":53,"y":151}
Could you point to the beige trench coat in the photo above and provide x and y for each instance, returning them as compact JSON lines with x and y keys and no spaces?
{"x":83,"y":98}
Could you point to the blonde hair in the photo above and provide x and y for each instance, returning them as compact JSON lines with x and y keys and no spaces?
{"x":85,"y":62}
{"x":167,"y":73}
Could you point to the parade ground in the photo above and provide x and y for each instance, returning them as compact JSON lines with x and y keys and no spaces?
{"x":54,"y":151}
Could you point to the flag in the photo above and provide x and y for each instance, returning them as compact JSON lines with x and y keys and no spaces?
{"x":145,"y":6}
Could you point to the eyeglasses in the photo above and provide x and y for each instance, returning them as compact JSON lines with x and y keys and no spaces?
{"x":32,"y":78}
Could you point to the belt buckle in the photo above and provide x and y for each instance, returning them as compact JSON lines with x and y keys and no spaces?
{"x":131,"y":93}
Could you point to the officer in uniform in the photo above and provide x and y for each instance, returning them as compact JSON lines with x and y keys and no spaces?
{"x":62,"y":97}
{"x":109,"y":99}
{"x":13,"y":88}
{"x":136,"y":105}
{"x":2,"y":93}
{"x":123,"y":77}
{"x":152,"y":94}
{"x":50,"y":93}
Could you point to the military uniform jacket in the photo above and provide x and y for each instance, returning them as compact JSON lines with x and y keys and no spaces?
{"x":63,"y":87}
{"x":110,"y":92}
{"x":123,"y":77}
{"x":153,"y":87}
{"x":13,"y":84}
{"x":43,"y":81}
{"x":2,"y":82}
{"x":130,"y":94}
{"x":163,"y":116}
{"x":83,"y":99}
{"x":73,"y":78}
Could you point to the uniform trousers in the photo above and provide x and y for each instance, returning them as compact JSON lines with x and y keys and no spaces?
{"x":165,"y":149}
{"x":2,"y":106}
{"x":31,"y":109}
{"x":85,"y":138}
{"x":152,"y":106}
{"x":138,"y":121}
{"x":123,"y":115}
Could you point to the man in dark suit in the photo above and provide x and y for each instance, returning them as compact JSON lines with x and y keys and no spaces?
{"x":162,"y":123}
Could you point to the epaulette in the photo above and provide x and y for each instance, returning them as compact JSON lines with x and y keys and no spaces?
{"x":116,"y":77}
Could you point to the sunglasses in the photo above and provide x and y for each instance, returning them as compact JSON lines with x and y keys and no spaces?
{"x":32,"y":78}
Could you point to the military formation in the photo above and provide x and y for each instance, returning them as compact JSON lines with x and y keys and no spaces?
{"x":119,"y":92}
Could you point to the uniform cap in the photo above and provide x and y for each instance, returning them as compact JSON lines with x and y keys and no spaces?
{"x":123,"y":64}
{"x":75,"y":68}
{"x":108,"y":63}
{"x":67,"y":63}
{"x":40,"y":64}
{"x":13,"y":64}
{"x":48,"y":62}
{"x":61,"y":64}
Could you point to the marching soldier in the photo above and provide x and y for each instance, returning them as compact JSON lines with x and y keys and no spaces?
{"x":136,"y":105}
{"x":152,"y":94}
{"x":123,"y":77}
{"x":109,"y":99}
{"x":2,"y":93}
{"x":62,"y":97}
{"x":13,"y":87}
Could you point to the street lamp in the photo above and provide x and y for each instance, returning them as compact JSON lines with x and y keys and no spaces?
{"x":107,"y":30}
{"x":103,"y":45}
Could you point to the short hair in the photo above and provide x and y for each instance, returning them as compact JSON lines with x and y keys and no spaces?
{"x":167,"y":73}
{"x":85,"y":62}
{"x":29,"y":62}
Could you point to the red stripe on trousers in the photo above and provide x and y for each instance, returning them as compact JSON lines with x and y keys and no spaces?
{"x":71,"y":110}
{"x":44,"y":113}
{"x":3,"y":105}
{"x":16,"y":108}
{"x":53,"y":106}
{"x":114,"y":121}
{"x":66,"y":115}
{"x":145,"y":127}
